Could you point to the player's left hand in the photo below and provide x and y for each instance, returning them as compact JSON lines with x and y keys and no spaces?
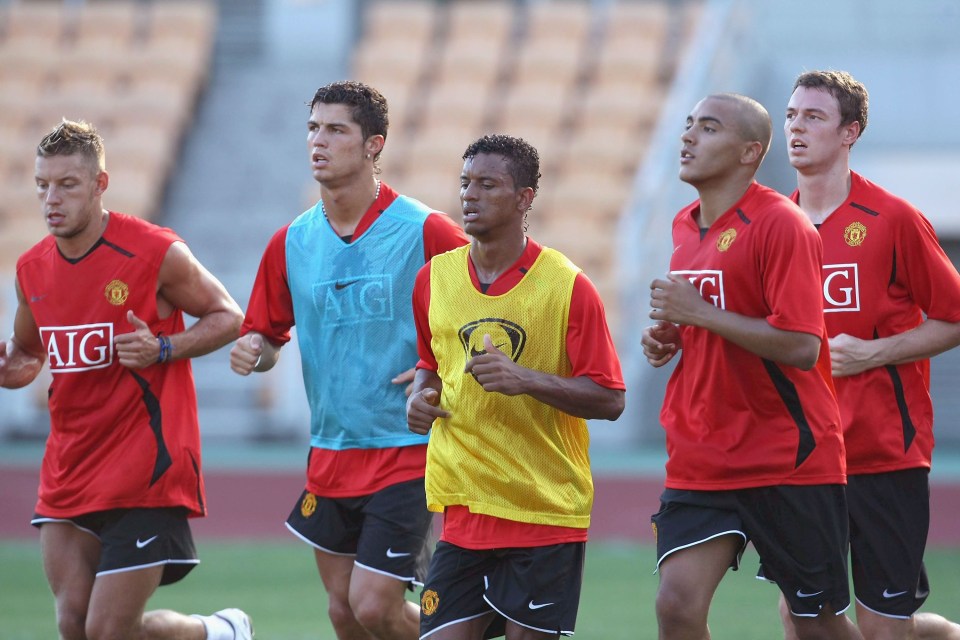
{"x":139,"y":348}
{"x":496,"y":371}
{"x":406,"y":378}
{"x":675,"y":299}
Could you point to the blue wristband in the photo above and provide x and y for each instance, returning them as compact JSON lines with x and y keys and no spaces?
{"x":166,"y":349}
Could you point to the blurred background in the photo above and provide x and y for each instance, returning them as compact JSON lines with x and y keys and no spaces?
{"x":203,"y":106}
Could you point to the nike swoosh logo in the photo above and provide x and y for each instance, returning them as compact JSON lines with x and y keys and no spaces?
{"x":142,"y":543}
{"x":801,"y":594}
{"x":395,"y":554}
{"x":344,"y":285}
{"x":887,"y":594}
{"x":539,"y":606}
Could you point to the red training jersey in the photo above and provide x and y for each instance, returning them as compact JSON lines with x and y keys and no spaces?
{"x":592,"y":354}
{"x":348,"y":472}
{"x":734,"y":420}
{"x":883,"y":269}
{"x":119,"y":438}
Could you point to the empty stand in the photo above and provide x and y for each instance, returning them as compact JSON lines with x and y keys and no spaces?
{"x":133,"y":68}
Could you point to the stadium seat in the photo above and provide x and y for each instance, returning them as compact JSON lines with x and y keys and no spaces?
{"x":399,"y":20}
{"x":567,"y":21}
{"x":556,"y":61}
{"x":188,"y":18}
{"x":488,"y":24}
{"x":377,"y":61}
{"x":37,"y":21}
{"x":107,"y":22}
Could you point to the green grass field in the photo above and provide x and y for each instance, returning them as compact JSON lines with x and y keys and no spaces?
{"x":277,"y":583}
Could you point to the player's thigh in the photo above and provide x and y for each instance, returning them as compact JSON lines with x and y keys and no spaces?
{"x":691,"y":575}
{"x":70,"y":558}
{"x":119,"y":599}
{"x":336,"y":572}
{"x":375,"y":588}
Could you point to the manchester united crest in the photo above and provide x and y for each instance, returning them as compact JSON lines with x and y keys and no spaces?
{"x":429,"y":602}
{"x":855,"y":234}
{"x":308,"y":505}
{"x":726,"y":239}
{"x":116,"y":292}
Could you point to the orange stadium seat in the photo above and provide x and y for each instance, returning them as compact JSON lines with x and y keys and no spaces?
{"x":487,"y":24}
{"x":632,"y":20}
{"x":107,"y":22}
{"x":188,"y":18}
{"x":567,"y":21}
{"x":399,"y":20}
{"x":37,"y":21}
{"x":378,"y":61}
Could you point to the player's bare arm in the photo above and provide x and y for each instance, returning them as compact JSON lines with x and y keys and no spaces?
{"x":850,"y":356}
{"x":660,"y":342}
{"x":423,"y":405}
{"x":184,"y":284}
{"x":22,"y":357}
{"x":579,"y":396}
{"x":674,"y":299}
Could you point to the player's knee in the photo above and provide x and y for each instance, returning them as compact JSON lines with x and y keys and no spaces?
{"x":373,"y":614}
{"x":71,"y":624}
{"x":674,"y":610}
{"x":340,"y":613}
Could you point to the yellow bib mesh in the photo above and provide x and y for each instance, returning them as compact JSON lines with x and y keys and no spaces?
{"x":512,"y":457}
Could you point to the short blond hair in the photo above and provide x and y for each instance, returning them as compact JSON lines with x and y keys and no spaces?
{"x":70,"y":137}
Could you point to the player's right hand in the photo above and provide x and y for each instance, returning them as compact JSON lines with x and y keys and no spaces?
{"x":423,"y":407}
{"x":246,"y":352}
{"x":660,"y":343}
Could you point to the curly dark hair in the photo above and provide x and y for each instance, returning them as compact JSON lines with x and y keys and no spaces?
{"x":851,"y":95}
{"x":70,"y":137}
{"x":368,"y":107}
{"x":523,"y":161}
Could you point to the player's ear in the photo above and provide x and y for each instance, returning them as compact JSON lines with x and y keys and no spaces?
{"x":102,"y":182}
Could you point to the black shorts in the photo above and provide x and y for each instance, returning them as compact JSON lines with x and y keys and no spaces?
{"x":535,"y":587}
{"x":387,"y":531}
{"x":889,"y":520}
{"x":800,"y":533}
{"x":132,"y":539}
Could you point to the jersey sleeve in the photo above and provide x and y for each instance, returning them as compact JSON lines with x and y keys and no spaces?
{"x":792,"y":255}
{"x":270,"y":310}
{"x":421,"y":318}
{"x":589,"y":343}
{"x":929,"y":276}
{"x":441,"y":234}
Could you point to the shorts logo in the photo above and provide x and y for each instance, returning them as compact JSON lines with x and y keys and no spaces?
{"x":429,"y":602}
{"x":142,"y":543}
{"x":710,"y":284}
{"x":855,"y":234}
{"x":541,"y":605}
{"x":726,"y":239}
{"x":841,"y":287}
{"x":801,"y":594}
{"x":887,"y":594}
{"x":308,"y":505}
{"x":116,"y":292}
{"x":78,"y":348}
{"x":507,"y":336}
{"x":396,"y":554}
